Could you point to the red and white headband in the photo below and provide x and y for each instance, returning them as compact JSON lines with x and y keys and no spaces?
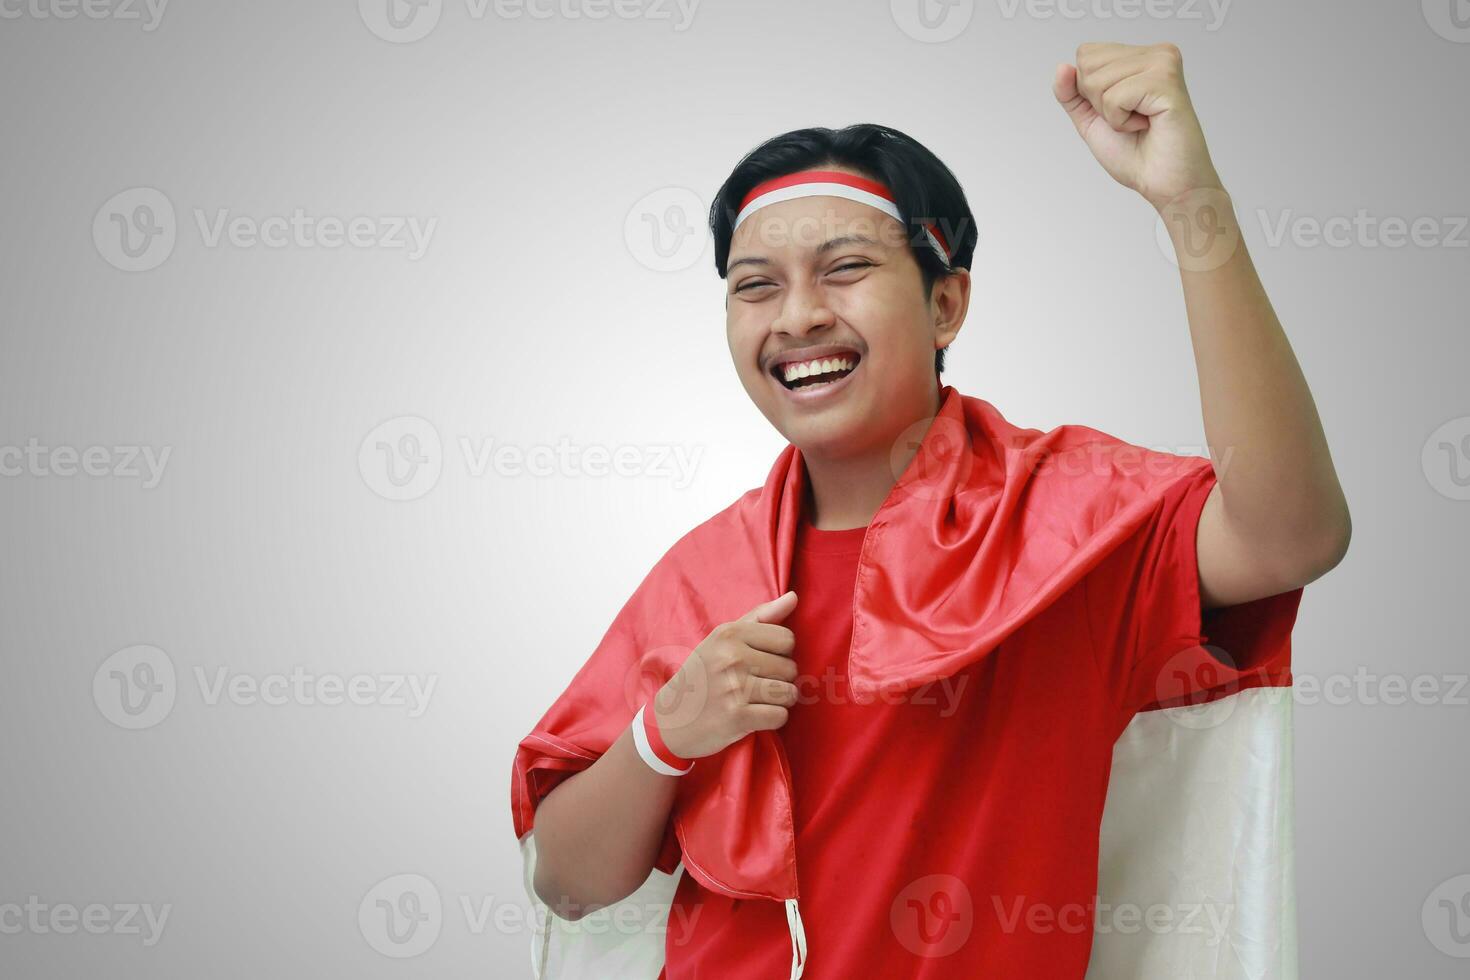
{"x":833,"y":183}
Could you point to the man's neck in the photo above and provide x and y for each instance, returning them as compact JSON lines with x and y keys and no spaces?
{"x":847,"y":492}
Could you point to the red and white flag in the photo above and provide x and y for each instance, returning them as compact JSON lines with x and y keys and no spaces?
{"x":986,"y":528}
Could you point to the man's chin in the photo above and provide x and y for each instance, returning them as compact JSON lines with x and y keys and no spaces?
{"x":829,"y":435}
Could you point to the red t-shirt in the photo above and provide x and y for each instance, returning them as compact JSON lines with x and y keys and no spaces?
{"x":955,"y":833}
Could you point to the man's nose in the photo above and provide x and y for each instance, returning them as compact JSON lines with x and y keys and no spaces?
{"x":803,"y":309}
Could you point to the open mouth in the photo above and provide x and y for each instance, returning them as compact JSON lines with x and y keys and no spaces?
{"x":816,"y":373}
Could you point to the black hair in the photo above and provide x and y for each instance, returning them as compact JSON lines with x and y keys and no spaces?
{"x":924,"y":189}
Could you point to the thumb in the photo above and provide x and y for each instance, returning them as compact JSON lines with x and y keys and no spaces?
{"x":1064,"y":87}
{"x":1064,"y":82}
{"x":773,"y":611}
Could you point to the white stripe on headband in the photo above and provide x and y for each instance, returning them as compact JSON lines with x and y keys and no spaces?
{"x":831,"y":183}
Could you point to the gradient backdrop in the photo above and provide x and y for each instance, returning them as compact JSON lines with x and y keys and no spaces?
{"x":357,"y":361}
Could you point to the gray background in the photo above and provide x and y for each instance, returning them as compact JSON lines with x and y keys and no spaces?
{"x":543,"y":311}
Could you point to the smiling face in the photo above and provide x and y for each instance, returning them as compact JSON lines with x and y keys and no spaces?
{"x":830,"y":327}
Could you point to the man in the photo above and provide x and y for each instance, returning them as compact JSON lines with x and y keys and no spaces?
{"x":873,"y":706}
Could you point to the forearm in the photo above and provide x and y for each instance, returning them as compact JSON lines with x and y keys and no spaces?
{"x":598,"y":833}
{"x":1278,"y":487}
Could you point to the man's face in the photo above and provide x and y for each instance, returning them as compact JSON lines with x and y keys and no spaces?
{"x":833,"y":279}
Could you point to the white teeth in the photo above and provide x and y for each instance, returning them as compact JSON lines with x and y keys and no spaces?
{"x":805,"y":369}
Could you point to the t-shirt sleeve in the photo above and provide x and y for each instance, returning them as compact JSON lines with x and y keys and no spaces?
{"x":1155,"y":645}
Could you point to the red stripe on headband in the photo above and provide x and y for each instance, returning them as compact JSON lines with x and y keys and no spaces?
{"x":939,"y":238}
{"x":816,"y":177}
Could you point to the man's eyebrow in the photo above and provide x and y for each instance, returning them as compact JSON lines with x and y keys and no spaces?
{"x":821,"y":249}
{"x":832,"y":243}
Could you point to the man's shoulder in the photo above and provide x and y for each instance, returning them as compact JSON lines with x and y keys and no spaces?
{"x":1075,"y":449}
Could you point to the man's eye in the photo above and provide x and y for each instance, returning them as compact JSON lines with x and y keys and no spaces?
{"x":841,"y":268}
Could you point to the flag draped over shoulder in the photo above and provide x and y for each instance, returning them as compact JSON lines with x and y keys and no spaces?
{"x":984,"y":527}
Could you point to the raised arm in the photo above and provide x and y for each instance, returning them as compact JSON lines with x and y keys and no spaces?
{"x":1277,"y":517}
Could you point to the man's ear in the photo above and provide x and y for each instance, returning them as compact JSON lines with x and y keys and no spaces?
{"x":950,"y":300}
